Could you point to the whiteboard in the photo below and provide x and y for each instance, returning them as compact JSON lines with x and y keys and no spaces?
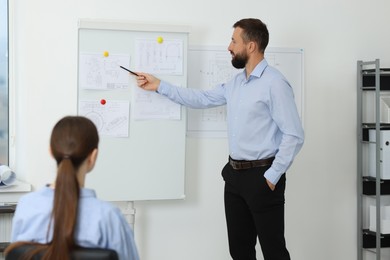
{"x":139,"y":158}
{"x":211,"y":65}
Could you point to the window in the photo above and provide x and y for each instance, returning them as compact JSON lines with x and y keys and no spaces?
{"x":4,"y":115}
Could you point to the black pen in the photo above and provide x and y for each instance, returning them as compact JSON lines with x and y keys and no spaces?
{"x":132,"y":72}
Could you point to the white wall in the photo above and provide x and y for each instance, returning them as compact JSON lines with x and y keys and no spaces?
{"x":321,"y":189}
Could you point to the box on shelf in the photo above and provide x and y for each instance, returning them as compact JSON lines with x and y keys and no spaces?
{"x":385,"y":219}
{"x":384,"y":154}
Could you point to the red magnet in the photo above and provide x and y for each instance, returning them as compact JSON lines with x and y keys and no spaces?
{"x":103,"y":101}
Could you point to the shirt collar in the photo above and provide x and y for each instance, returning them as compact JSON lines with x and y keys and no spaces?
{"x":84,"y":192}
{"x":259,"y":69}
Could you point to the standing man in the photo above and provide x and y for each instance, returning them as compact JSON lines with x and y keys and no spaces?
{"x":265,"y":134}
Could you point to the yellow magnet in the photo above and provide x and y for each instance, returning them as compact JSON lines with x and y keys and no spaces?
{"x":160,"y":39}
{"x":105,"y":54}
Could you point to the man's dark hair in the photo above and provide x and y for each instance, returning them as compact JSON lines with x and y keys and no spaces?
{"x":254,"y":30}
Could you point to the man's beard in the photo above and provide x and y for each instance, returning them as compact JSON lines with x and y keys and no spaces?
{"x":239,"y":60}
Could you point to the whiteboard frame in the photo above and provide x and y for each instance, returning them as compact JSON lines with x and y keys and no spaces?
{"x":102,"y":24}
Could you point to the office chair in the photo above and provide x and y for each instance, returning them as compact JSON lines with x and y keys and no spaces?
{"x":80,"y":253}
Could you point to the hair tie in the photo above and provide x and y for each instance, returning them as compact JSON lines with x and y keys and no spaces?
{"x":65,"y":156}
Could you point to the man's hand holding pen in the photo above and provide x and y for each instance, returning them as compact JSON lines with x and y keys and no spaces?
{"x":144,"y":80}
{"x":147,"y":81}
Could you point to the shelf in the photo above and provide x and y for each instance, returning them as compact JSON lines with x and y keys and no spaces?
{"x":369,"y":239}
{"x":369,"y":79}
{"x":369,"y":186}
{"x":369,"y":126}
{"x":19,"y":186}
{"x":7,"y":209}
{"x":383,"y":126}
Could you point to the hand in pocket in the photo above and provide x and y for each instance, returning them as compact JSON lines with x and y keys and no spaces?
{"x":270,"y":185}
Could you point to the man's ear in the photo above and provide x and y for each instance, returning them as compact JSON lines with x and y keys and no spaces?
{"x":252,"y":46}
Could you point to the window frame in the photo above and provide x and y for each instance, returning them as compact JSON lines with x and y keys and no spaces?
{"x":5,"y":153}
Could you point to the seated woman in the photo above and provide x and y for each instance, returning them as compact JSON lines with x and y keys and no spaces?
{"x":66,"y":215}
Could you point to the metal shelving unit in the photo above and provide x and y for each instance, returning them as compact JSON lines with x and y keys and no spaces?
{"x":372,"y":83}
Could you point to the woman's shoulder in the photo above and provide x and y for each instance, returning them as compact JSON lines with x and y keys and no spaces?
{"x":91,"y":203}
{"x":43,"y":193}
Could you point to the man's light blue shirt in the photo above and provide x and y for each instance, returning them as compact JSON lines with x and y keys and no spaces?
{"x":100,"y":224}
{"x":262,"y":116}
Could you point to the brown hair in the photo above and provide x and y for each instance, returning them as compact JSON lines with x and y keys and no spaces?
{"x":72,"y":140}
{"x":254,"y":30}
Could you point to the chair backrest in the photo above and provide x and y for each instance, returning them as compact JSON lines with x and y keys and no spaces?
{"x":80,"y":253}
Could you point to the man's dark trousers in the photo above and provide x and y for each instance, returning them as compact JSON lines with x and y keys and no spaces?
{"x":253,"y":210}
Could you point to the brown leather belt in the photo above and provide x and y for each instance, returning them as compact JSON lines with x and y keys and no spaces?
{"x":243,"y":165}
